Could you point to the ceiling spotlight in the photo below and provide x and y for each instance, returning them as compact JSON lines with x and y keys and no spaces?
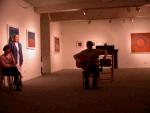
{"x":89,"y":22}
{"x":110,"y":21}
{"x":132,"y":20}
{"x":49,"y":17}
{"x":124,"y":20}
{"x":138,"y":9}
{"x":84,"y":12}
{"x":128,"y":9}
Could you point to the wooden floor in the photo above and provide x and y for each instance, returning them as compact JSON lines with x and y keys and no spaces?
{"x":62,"y":92}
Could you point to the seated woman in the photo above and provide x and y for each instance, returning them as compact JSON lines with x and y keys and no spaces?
{"x":7,"y":63}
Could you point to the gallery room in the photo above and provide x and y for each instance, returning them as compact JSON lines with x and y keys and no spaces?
{"x":52,"y":31}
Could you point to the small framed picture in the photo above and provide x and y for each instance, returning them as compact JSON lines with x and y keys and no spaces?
{"x":11,"y":31}
{"x":30,"y":39}
{"x":57,"y":44}
{"x":79,"y":44}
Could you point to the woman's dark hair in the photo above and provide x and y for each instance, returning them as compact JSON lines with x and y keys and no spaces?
{"x":6,"y":47}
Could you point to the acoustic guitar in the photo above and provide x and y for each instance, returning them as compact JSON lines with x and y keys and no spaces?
{"x":82,"y":62}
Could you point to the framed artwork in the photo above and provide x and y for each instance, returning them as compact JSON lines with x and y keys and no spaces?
{"x":11,"y":32}
{"x":57,"y":44}
{"x":30,"y":39}
{"x":79,"y":44}
{"x":140,"y":42}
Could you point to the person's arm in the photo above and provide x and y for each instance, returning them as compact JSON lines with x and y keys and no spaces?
{"x":98,"y":52}
{"x":105,"y":54}
{"x":21,"y":54}
{"x":78,"y":55}
{"x":3,"y":62}
{"x":12,"y":59}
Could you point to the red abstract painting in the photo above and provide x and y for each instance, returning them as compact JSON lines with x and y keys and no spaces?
{"x":140,"y":42}
{"x":30,"y":39}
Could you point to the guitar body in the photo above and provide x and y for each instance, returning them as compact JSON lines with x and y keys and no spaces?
{"x":82,"y":62}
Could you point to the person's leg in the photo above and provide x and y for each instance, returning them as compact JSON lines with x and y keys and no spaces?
{"x":1,"y":81}
{"x":86,"y":78}
{"x":95,"y":72}
{"x":14,"y":71}
{"x":6,"y":72}
{"x":17,"y":77}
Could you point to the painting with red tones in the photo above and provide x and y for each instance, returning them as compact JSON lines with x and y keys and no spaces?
{"x":79,"y":44}
{"x":140,"y":42}
{"x":30,"y":39}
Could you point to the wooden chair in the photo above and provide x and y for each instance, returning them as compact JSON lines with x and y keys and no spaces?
{"x":109,"y":63}
{"x":108,"y":68}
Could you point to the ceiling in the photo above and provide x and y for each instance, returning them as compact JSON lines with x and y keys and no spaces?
{"x":60,"y":10}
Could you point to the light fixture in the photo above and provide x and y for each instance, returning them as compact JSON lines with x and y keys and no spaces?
{"x":84,"y":12}
{"x":89,"y":22}
{"x":132,"y":20}
{"x":23,"y":4}
{"x":128,"y":9}
{"x":123,"y":20}
{"x":110,"y":21}
{"x":138,"y":9}
{"x":49,"y":17}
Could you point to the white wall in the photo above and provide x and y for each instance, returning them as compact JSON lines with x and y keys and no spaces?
{"x":56,"y":57}
{"x":13,"y":14}
{"x":116,"y":33}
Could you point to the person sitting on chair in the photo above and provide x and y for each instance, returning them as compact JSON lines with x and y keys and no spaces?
{"x":8,"y":66}
{"x":88,"y":59}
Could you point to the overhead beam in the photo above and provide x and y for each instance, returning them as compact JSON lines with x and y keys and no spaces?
{"x":90,"y":5}
{"x":95,"y":14}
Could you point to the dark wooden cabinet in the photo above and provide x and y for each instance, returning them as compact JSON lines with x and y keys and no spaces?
{"x":115,"y":58}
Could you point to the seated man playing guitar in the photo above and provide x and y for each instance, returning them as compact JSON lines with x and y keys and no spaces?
{"x":88,"y":60}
